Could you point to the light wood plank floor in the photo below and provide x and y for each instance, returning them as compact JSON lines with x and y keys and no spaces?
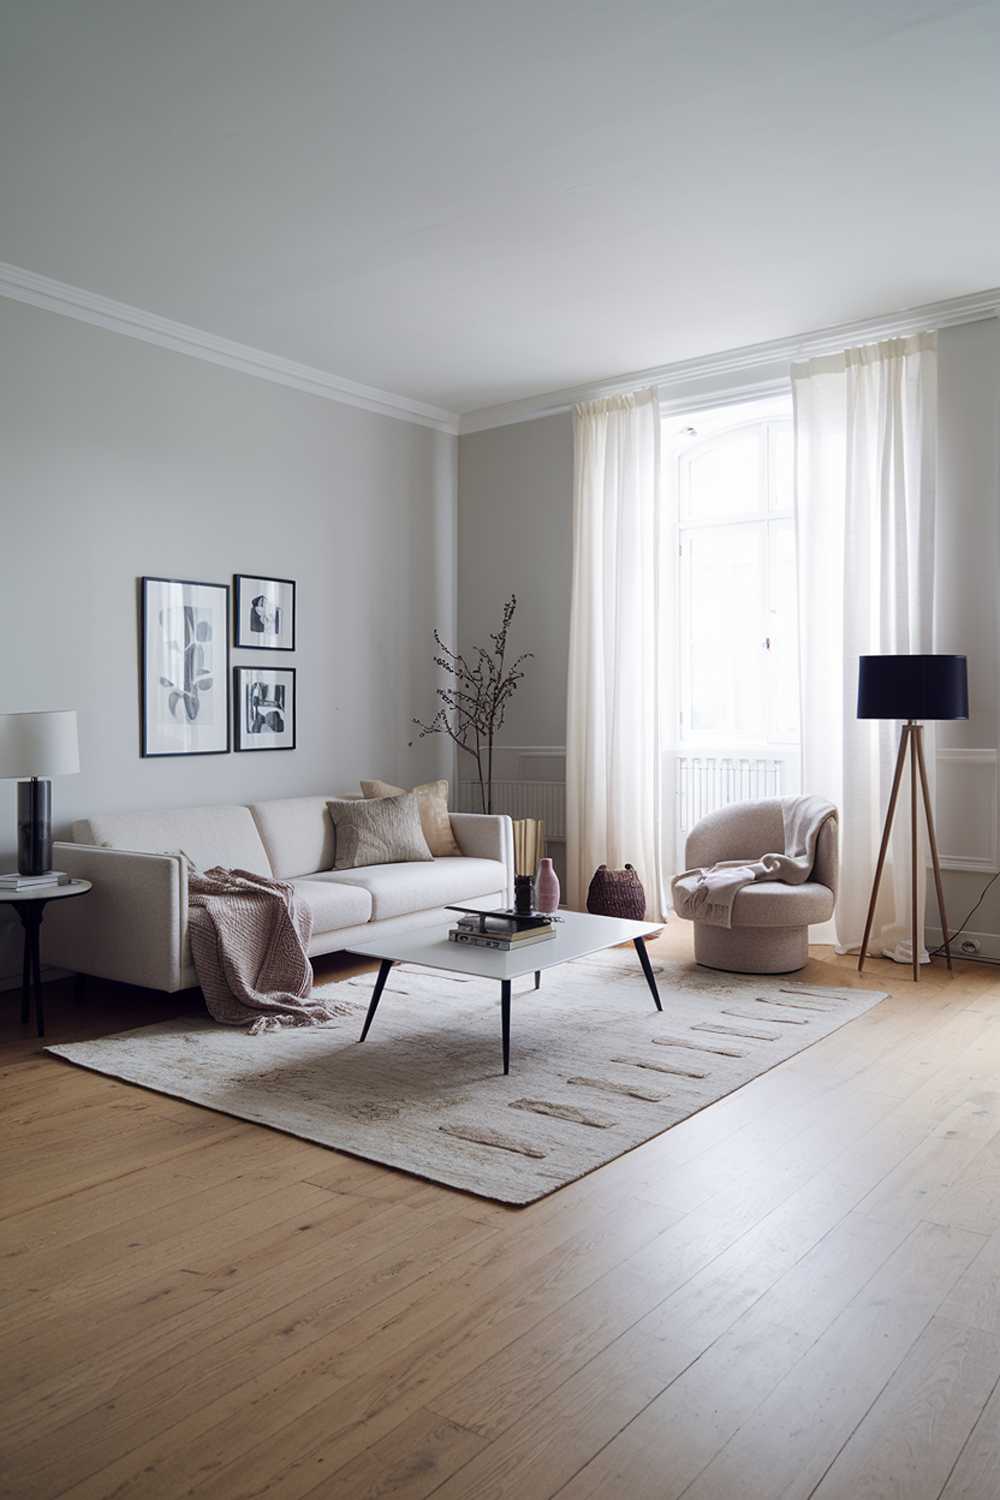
{"x":794,"y":1293}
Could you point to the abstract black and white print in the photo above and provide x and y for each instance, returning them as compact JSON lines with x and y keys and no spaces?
{"x":265,"y":708}
{"x":185,"y":667}
{"x":265,"y":613}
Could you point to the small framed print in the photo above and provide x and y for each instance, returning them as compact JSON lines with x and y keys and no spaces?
{"x":184,"y":686}
{"x":264,"y":613}
{"x":265,"y":708}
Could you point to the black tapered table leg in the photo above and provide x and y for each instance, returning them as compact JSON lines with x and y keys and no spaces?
{"x":647,"y":969}
{"x":383,"y":975}
{"x":37,"y":961}
{"x":26,"y":975}
{"x":30,"y":913}
{"x":538,"y":979}
{"x":505,"y":1021}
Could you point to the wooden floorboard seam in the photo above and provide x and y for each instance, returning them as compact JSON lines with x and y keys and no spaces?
{"x":971,"y":1433}
{"x":883,"y":1136}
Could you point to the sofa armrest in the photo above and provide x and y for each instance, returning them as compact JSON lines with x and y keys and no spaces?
{"x":487,"y":836}
{"x":131,"y":927}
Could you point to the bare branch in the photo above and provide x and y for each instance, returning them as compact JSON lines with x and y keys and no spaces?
{"x":474,"y":702}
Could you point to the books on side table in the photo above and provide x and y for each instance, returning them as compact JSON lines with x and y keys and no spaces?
{"x":15,"y":882}
{"x":506,"y":930}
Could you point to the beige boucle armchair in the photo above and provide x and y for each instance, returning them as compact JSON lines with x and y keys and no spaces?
{"x":770,"y":931}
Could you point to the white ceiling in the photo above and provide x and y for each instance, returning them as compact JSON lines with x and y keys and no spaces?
{"x":471,"y":203}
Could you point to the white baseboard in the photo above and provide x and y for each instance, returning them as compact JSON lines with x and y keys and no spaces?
{"x":989,"y":943}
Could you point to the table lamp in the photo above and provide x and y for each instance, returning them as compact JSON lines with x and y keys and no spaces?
{"x":911,"y":688}
{"x":33,"y":748}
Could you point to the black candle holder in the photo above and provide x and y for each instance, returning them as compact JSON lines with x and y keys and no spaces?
{"x":524,"y":895}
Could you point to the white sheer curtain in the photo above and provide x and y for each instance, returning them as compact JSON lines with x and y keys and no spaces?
{"x":614,"y":749}
{"x":865,"y":452}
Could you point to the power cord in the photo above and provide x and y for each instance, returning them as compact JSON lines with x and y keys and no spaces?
{"x":959,"y":930}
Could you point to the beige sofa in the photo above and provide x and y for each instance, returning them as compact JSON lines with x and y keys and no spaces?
{"x":133,"y":925}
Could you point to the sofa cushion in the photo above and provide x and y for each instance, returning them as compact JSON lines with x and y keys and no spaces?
{"x":213,"y":835}
{"x":417,"y":886}
{"x":434,"y":819}
{"x":297,"y":834}
{"x":771,"y":903}
{"x":379,"y":831}
{"x":333,"y":906}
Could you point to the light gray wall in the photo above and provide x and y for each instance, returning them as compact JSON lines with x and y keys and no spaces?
{"x":118,"y":459}
{"x":968,"y":575}
{"x":515,"y":528}
{"x":968,"y":536}
{"x":518,"y":479}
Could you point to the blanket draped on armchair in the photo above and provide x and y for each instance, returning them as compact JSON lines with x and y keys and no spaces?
{"x":249,"y":939}
{"x":708,"y":895}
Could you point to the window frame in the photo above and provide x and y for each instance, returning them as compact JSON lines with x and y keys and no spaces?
{"x":765,"y":520}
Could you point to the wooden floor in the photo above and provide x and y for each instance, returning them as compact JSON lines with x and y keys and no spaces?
{"x":794,"y":1293}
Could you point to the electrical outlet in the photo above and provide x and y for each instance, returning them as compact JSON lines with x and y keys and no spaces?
{"x":969,"y":945}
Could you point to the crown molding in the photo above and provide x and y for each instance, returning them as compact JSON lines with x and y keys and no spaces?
{"x":135,"y":322}
{"x":771,"y":359}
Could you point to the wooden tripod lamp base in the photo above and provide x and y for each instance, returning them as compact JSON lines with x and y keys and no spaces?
{"x":911,"y":739}
{"x":911,"y":688}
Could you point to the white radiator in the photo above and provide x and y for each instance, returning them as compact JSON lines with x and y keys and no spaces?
{"x":704,"y":783}
{"x":708,"y":782}
{"x":522,"y":799}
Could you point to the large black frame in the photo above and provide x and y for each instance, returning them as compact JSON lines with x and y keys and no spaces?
{"x":238,"y":708}
{"x":196,"y":583}
{"x":241,"y":645}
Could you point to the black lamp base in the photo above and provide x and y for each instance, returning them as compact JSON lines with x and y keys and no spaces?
{"x":34,"y":826}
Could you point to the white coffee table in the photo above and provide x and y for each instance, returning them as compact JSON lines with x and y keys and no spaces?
{"x":577,"y":934}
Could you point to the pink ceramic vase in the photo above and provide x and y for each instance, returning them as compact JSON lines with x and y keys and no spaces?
{"x":546,"y":887}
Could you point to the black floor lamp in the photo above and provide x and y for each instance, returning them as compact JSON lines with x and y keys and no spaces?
{"x":911,"y":688}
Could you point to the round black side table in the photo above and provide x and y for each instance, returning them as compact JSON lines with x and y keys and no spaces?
{"x":30,"y":907}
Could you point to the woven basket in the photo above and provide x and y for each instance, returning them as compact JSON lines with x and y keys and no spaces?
{"x":617,"y":893}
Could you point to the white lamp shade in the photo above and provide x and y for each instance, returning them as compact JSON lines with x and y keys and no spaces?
{"x":42,"y":744}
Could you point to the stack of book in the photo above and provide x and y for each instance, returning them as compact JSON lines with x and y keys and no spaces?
{"x":17,"y":882}
{"x":507,"y":931}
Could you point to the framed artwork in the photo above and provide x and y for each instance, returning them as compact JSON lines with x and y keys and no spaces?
{"x":265,"y":708}
{"x":184,"y":684}
{"x":264,"y":612}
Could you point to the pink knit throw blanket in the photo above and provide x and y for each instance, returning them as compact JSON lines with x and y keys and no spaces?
{"x":249,"y":940}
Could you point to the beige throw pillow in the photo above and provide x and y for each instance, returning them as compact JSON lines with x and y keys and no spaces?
{"x":433,"y":812}
{"x":382,"y":832}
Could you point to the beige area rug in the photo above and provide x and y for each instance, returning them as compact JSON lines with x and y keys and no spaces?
{"x":595,"y":1069}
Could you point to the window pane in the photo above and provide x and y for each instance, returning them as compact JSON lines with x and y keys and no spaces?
{"x":782,"y":495}
{"x":724,"y":607}
{"x":782,"y":634}
{"x":722,"y":477}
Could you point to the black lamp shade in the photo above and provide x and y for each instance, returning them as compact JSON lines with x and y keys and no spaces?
{"x":913,"y":687}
